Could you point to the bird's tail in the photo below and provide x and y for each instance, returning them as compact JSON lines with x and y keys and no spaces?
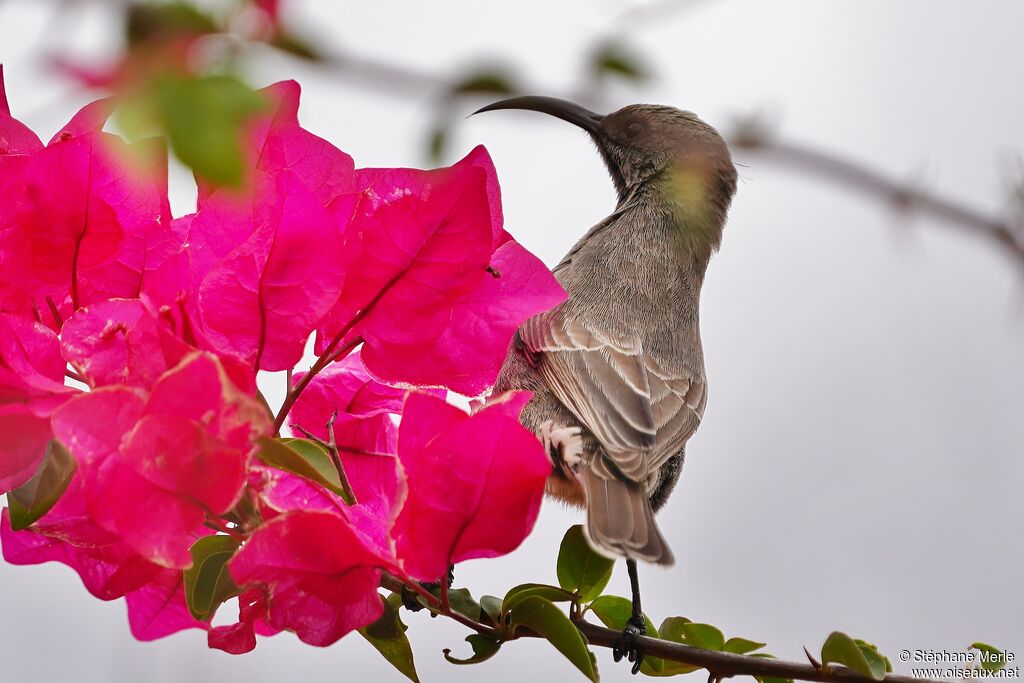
{"x":620,"y":520}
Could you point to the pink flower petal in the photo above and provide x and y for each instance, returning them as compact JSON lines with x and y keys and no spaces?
{"x":321,"y":577}
{"x":31,"y":365}
{"x":475,"y":485}
{"x":120,"y":342}
{"x":425,"y":288}
{"x":204,"y":389}
{"x":15,"y":137}
{"x":108,"y":571}
{"x":154,"y":523}
{"x":347,"y":388}
{"x":158,"y":609}
{"x":24,"y":437}
{"x":240,"y":638}
{"x":482,"y":323}
{"x":86,"y":221}
{"x":189,"y":463}
{"x":264,"y":299}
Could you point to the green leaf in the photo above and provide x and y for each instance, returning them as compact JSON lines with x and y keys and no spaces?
{"x":33,"y":499}
{"x":485,"y":82}
{"x":769,"y":679}
{"x":304,"y":458}
{"x":484,"y":647}
{"x":580,"y":568}
{"x":203,"y":117}
{"x":616,"y":60}
{"x":491,"y":608}
{"x":543,"y":617}
{"x":741,"y":646}
{"x":164,"y":20}
{"x":842,"y":649}
{"x":387,"y":635}
{"x":992,"y":658}
{"x":461,"y":600}
{"x":529,"y":590}
{"x":870,"y":649}
{"x":672,"y":629}
{"x":614,"y":612}
{"x":703,"y":636}
{"x":207,"y":582}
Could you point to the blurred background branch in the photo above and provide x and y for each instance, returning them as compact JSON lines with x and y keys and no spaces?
{"x":201,"y":39}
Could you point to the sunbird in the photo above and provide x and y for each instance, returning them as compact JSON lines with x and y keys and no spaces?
{"x":617,"y":370}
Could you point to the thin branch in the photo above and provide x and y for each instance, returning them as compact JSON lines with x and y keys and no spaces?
{"x":723,"y":664}
{"x":325,"y":359}
{"x":395,"y":584}
{"x":1004,"y":235}
{"x":331,"y":445}
{"x":719,"y":664}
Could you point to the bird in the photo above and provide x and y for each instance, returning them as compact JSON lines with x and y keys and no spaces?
{"x":617,"y":370}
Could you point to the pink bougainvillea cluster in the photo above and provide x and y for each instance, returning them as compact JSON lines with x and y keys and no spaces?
{"x":131,"y":339}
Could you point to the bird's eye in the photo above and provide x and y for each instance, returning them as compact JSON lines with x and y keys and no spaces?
{"x":633,"y":129}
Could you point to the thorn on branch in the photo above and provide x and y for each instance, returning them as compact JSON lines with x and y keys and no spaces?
{"x":814,"y":662}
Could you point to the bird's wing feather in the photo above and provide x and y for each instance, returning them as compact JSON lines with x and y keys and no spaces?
{"x":678,"y":399}
{"x":604,"y":382}
{"x":639,"y":413}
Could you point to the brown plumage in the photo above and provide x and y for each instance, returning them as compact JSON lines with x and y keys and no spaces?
{"x":621,"y":360}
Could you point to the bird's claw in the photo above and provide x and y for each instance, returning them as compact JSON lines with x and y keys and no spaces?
{"x":626,"y":646}
{"x":564,"y":446}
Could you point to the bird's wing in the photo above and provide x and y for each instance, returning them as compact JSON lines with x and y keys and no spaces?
{"x":603,"y":381}
{"x":639,"y":413}
{"x":678,"y":399}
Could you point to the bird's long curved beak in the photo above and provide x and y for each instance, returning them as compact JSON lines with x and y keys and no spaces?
{"x":562,"y":109}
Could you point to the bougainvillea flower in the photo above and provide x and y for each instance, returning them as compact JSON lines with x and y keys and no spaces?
{"x":264,"y":263}
{"x":154,"y":468}
{"x":86,"y":220}
{"x":475,"y":484}
{"x":67,"y":534}
{"x":120,"y":342}
{"x":420,"y":264}
{"x":366,"y":433}
{"x":263,"y":300}
{"x":344,"y":387}
{"x":321,"y":578}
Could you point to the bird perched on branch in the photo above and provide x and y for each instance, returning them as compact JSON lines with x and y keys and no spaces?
{"x":617,"y":370}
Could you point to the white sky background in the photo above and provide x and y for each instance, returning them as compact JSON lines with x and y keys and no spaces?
{"x":859,"y":467}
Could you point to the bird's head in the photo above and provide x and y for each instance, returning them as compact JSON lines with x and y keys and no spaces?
{"x":651,"y":145}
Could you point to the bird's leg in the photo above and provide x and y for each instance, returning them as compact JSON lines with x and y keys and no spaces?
{"x":564,"y":446}
{"x":636,"y":626}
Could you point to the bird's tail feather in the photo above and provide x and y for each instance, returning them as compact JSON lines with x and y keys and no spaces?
{"x":620,"y":520}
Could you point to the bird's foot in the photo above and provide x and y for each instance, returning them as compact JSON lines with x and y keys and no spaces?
{"x":564,"y":446}
{"x":626,"y":646}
